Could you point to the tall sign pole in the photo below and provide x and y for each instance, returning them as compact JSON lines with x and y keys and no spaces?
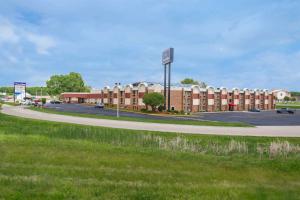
{"x":167,"y":59}
{"x":165,"y":87}
{"x":169,"y":88}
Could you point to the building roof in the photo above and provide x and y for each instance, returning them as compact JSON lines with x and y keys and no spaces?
{"x":81,"y":95}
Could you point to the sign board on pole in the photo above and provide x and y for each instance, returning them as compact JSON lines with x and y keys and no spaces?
{"x":168,"y":56}
{"x":20,"y":91}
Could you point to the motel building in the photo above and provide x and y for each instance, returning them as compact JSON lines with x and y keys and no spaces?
{"x":187,"y":98}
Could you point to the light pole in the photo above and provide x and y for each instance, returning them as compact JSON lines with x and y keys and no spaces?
{"x":118,"y":114}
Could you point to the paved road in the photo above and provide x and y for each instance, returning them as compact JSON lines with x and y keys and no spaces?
{"x":279,"y":131}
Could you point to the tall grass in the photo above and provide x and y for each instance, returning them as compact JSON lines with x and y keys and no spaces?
{"x":154,"y":141}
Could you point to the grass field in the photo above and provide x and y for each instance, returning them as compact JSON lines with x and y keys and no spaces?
{"x":295,"y":105}
{"x":10,"y":103}
{"x":47,"y":160}
{"x":166,"y":121}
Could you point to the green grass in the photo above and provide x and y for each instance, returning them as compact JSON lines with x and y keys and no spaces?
{"x":295,"y":105}
{"x":11,"y":103}
{"x":47,"y":160}
{"x":164,"y":121}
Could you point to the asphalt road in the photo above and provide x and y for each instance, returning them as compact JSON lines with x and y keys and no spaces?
{"x":274,"y":131}
{"x":264,"y":118}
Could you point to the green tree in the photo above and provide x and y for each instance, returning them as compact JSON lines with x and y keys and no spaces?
{"x":37,"y":91}
{"x":193,"y":82}
{"x":286,"y":98}
{"x":72,"y":82}
{"x":153,"y":99}
{"x":8,"y":90}
{"x":44,"y":101}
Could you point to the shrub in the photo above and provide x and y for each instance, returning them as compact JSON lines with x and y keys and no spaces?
{"x":0,"y":106}
{"x":144,"y":110}
{"x":43,"y":101}
{"x":160,"y":108}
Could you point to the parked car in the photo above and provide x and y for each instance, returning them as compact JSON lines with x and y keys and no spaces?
{"x":285,"y":111}
{"x":26,"y":102}
{"x":55,"y":102}
{"x":254,"y":110}
{"x":37,"y":102}
{"x":99,"y":105}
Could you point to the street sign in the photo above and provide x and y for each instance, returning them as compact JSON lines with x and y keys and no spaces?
{"x":168,"y":56}
{"x":20,"y":91}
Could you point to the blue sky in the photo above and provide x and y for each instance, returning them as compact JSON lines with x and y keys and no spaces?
{"x":253,"y":44}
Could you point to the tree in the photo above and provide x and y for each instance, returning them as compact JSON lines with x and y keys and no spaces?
{"x":8,"y":90}
{"x":153,"y":99}
{"x":189,"y":81}
{"x":44,"y":101}
{"x":193,"y":82}
{"x":286,"y":98}
{"x":37,"y":91}
{"x":72,"y":82}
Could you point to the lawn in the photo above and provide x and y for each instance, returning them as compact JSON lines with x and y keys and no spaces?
{"x":47,"y":160}
{"x":295,"y":105}
{"x":10,"y":103}
{"x":165,"y":121}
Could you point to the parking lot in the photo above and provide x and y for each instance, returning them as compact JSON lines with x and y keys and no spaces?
{"x":263,"y":118}
{"x":80,"y":108}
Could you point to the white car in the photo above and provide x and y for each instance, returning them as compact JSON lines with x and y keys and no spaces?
{"x":26,"y":103}
{"x":100,"y":105}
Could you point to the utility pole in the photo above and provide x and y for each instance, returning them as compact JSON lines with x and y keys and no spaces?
{"x":118,"y":84}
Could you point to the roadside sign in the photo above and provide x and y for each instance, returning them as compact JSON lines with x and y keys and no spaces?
{"x":168,"y":56}
{"x":20,"y":91}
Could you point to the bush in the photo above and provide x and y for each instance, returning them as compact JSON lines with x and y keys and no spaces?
{"x":0,"y":106}
{"x":43,"y":101}
{"x":175,"y":111}
{"x":144,"y":110}
{"x":160,"y":108}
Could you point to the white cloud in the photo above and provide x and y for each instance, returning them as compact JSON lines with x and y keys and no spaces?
{"x":7,"y":33}
{"x":43,"y":43}
{"x":17,"y":37}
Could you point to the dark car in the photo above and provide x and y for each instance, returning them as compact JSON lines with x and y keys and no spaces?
{"x":285,"y":111}
{"x":254,"y":110}
{"x":99,"y":105}
{"x":55,"y":102}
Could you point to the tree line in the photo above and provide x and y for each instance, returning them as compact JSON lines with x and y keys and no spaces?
{"x":57,"y":84}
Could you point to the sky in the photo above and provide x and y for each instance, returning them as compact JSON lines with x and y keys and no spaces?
{"x":241,"y":43}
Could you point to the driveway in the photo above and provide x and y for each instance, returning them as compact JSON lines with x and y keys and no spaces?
{"x":277,"y":131}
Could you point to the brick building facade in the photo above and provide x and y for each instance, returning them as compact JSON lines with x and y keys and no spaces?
{"x":188,"y":98}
